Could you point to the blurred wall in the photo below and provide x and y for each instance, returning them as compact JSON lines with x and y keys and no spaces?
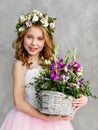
{"x":76,"y":26}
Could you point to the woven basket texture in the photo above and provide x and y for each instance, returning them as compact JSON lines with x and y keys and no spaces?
{"x":55,"y":103}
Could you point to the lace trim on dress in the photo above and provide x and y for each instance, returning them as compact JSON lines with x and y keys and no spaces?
{"x":30,"y":92}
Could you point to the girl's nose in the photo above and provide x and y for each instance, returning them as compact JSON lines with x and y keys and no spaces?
{"x":33,"y":42}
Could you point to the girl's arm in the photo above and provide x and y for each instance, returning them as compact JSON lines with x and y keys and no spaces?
{"x":80,"y":102}
{"x":18,"y":92}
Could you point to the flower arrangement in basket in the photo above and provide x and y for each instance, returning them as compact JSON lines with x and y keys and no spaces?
{"x":59,"y":83}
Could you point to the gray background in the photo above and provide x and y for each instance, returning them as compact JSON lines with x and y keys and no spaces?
{"x":76,"y":26}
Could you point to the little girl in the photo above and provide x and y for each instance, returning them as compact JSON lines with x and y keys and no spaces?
{"x":35,"y":39}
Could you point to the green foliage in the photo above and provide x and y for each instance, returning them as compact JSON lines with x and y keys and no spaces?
{"x":66,"y":77}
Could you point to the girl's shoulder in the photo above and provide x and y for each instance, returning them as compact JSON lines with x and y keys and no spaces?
{"x":18,"y":65}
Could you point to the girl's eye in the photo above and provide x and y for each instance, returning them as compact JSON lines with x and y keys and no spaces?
{"x":29,"y":36}
{"x":40,"y":38}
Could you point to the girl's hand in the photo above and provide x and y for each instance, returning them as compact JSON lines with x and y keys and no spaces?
{"x":80,"y":102}
{"x":70,"y":117}
{"x":58,"y":117}
{"x":54,"y":117}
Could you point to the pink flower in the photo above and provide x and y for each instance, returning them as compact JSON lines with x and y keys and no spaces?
{"x":52,"y":25}
{"x":28,"y":23}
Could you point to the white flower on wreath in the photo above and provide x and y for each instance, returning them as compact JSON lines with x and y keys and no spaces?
{"x":21,"y":29}
{"x":35,"y":18}
{"x":46,"y":17}
{"x":22,"y":18}
{"x":29,"y":17}
{"x":36,"y":12}
{"x":40,"y":15}
{"x":45,"y":24}
{"x":44,"y":21}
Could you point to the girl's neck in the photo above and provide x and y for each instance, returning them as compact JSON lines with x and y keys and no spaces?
{"x":35,"y":62}
{"x":34,"y":58}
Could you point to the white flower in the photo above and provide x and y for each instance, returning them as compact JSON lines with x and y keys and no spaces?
{"x":65,"y":78}
{"x":74,"y":85}
{"x":65,"y":69}
{"x":35,"y":18}
{"x":79,"y":73}
{"x":40,"y":15}
{"x":46,"y":17}
{"x":36,"y":12}
{"x":47,"y":62}
{"x":44,"y":21}
{"x":22,"y":18}
{"x":21,"y":29}
{"x":45,"y":25}
{"x":81,"y":69}
{"x":29,"y":17}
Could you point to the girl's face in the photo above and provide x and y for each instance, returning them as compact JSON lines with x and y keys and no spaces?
{"x":34,"y":42}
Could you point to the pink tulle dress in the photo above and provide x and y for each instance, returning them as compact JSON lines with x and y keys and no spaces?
{"x":17,"y":120}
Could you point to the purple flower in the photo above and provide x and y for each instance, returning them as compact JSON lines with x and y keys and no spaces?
{"x":74,"y":65}
{"x":54,"y":76}
{"x":80,"y":79}
{"x":60,"y":62}
{"x":60,"y":59}
{"x":52,"y":66}
{"x":42,"y":78}
{"x":69,"y":66}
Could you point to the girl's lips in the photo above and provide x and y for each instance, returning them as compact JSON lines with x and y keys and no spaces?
{"x":32,"y":49}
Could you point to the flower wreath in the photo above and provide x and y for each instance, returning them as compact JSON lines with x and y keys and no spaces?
{"x":34,"y":18}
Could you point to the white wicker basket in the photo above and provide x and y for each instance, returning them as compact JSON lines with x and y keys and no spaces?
{"x":55,"y":103}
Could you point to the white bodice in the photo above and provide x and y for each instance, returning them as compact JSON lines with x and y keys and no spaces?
{"x":30,"y":92}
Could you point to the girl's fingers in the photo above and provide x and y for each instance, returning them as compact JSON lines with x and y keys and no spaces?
{"x":53,"y":117}
{"x":80,"y":101}
{"x":76,"y":108}
{"x":70,"y":117}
